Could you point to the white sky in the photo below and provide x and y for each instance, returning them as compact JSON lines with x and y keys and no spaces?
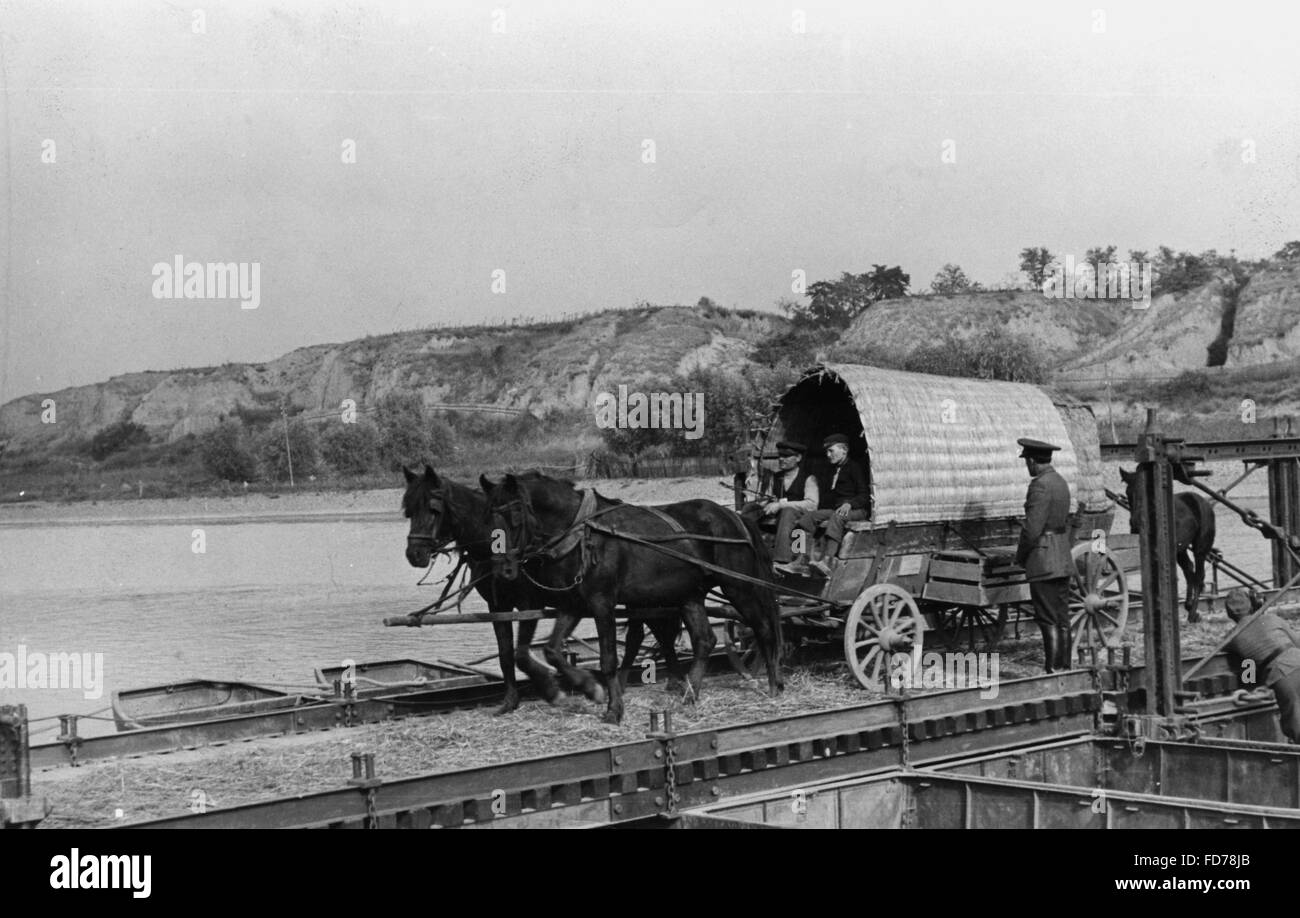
{"x":522,"y":151}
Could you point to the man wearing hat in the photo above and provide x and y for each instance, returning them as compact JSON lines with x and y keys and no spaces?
{"x":1274,"y":650}
{"x":794,"y":493}
{"x":847,"y":499}
{"x":1044,"y":550}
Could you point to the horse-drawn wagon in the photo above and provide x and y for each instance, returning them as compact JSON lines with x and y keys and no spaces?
{"x":947,"y":489}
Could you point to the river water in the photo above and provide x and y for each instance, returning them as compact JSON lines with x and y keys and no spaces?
{"x":266,"y":600}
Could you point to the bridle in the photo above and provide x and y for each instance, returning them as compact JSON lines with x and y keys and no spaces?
{"x":434,"y":540}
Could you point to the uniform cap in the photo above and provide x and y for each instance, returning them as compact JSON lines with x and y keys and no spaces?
{"x":790,"y":448}
{"x":1036,"y":449}
{"x":835,"y":438}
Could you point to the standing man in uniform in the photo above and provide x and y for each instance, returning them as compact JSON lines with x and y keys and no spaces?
{"x":1275,"y":651}
{"x":1044,"y":550}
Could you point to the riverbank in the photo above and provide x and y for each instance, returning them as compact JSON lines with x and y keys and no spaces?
{"x":305,"y":506}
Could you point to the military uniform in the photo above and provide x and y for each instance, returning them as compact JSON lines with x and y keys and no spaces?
{"x":1044,"y":553}
{"x":1274,"y":647}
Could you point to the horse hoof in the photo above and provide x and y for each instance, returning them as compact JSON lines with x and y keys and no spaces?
{"x":610,"y":717}
{"x":598,"y":694}
{"x":506,"y":707}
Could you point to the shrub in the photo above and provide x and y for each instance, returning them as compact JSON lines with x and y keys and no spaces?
{"x":407,"y":436}
{"x":225,"y":453}
{"x":991,"y":355}
{"x":276,"y":456}
{"x":117,"y":437}
{"x":351,"y":449}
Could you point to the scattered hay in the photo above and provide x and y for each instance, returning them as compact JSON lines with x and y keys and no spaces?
{"x":227,"y":776}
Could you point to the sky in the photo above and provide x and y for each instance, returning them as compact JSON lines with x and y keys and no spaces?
{"x":535,"y":159}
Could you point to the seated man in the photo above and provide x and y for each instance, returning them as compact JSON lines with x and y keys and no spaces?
{"x":794,"y":493}
{"x":1275,"y":650}
{"x":847,"y":499}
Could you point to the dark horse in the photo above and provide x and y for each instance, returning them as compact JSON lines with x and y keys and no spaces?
{"x":1194,"y":535}
{"x":443,"y":512}
{"x":601,"y":570}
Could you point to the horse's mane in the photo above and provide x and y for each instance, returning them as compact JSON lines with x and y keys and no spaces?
{"x":535,"y":475}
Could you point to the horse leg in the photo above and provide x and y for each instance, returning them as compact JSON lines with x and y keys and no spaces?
{"x":505,"y":633}
{"x":665,"y":632}
{"x":571,"y":675}
{"x":702,"y":644}
{"x":538,"y":674}
{"x":758,"y":610}
{"x":603,"y":612}
{"x":1184,"y":558}
{"x":1199,"y":575}
{"x":632,"y":645}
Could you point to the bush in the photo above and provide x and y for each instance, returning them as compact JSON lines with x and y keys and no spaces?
{"x":351,"y":449}
{"x":407,"y":436}
{"x":276,"y":457}
{"x":734,"y":405}
{"x":117,"y":437}
{"x":225,"y":453}
{"x":991,"y":355}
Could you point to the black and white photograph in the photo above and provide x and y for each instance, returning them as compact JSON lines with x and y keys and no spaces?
{"x":827,"y":415}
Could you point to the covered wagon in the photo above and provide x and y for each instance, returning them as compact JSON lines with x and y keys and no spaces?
{"x":947,"y":502}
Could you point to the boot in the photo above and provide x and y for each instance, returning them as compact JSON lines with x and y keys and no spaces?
{"x":798,"y":567}
{"x":1051,"y":652}
{"x":1063,"y":648}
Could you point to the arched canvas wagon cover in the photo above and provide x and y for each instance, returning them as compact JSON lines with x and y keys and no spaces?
{"x":941,"y":448}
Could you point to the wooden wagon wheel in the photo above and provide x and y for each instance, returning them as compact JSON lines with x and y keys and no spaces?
{"x":1098,"y":599}
{"x":883,"y":620}
{"x":979,"y":625}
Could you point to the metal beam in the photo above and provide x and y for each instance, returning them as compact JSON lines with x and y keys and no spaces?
{"x":1154,"y":516}
{"x":1257,"y":450}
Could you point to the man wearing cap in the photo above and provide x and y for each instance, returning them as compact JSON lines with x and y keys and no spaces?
{"x":847,"y":499}
{"x":794,"y":492}
{"x":1044,"y":550}
{"x":1274,"y":650}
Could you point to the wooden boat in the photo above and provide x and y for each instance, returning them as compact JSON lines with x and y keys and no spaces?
{"x":196,"y":700}
{"x":384,"y":677}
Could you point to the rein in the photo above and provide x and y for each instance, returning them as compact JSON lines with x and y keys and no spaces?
{"x":518,"y":511}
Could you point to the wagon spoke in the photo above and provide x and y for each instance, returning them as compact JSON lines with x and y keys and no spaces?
{"x":872,"y":654}
{"x":1109,"y":581}
{"x":875,"y":673}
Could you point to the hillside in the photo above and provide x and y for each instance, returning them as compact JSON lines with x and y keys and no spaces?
{"x":559,"y":366}
{"x":537,"y":368}
{"x":1058,"y":328}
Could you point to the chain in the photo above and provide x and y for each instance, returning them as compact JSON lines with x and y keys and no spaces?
{"x":902,"y":722}
{"x":670,"y":775}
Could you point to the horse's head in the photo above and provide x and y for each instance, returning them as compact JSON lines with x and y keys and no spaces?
{"x":510,"y":522}
{"x":1131,"y":495}
{"x":424,"y":504}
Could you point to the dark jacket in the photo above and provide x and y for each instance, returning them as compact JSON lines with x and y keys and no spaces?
{"x":1271,"y":643}
{"x":1044,"y":549}
{"x":851,"y":488}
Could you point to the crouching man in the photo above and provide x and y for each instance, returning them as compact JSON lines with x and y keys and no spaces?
{"x":1274,"y":649}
